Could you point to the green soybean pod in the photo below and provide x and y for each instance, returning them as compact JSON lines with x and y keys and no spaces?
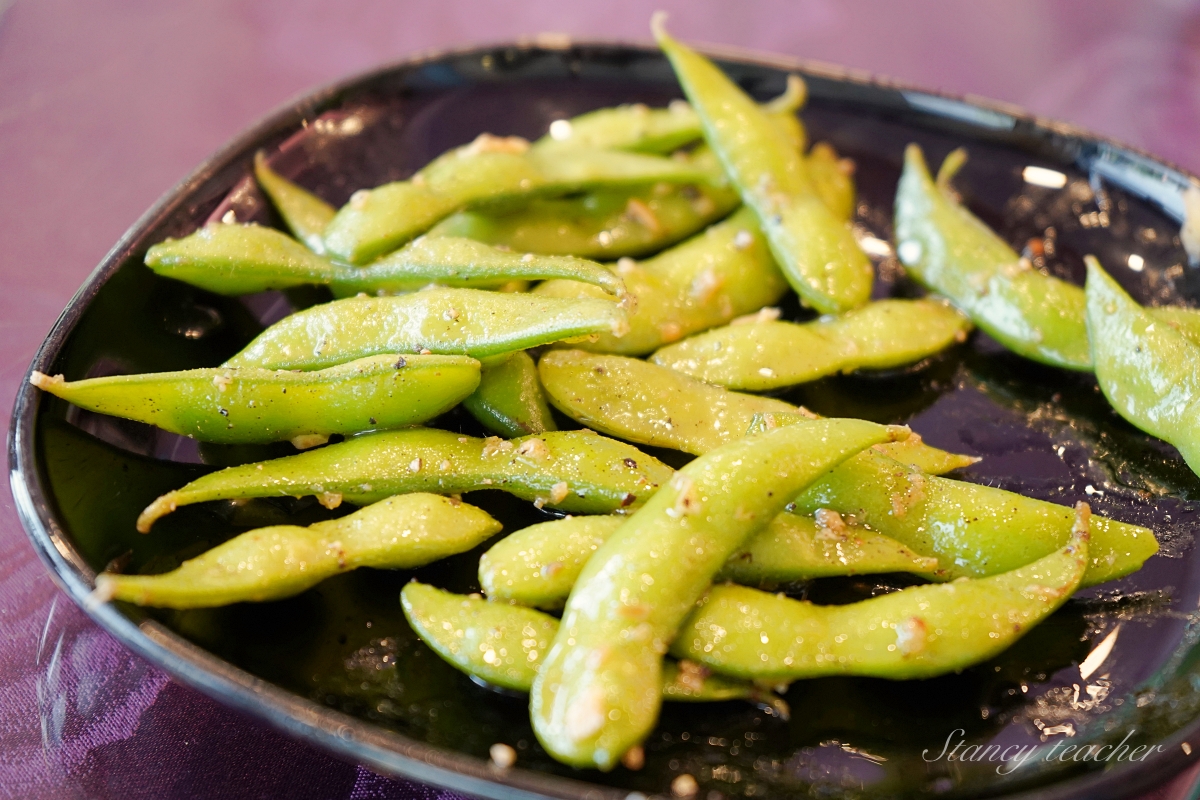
{"x":648,"y":404}
{"x":504,"y":645}
{"x":237,"y":259}
{"x":305,"y":214}
{"x":489,"y":170}
{"x":918,"y":632}
{"x":759,"y":355}
{"x":597,"y":694}
{"x":538,"y":565}
{"x":251,"y":405}
{"x":448,"y":321}
{"x":816,"y":250}
{"x":283,"y":560}
{"x":576,"y":471}
{"x":833,"y":179}
{"x":509,"y":400}
{"x":712,"y":278}
{"x":1148,"y":370}
{"x":971,"y":529}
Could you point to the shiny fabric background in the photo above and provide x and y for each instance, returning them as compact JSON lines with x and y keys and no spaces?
{"x":105,"y":104}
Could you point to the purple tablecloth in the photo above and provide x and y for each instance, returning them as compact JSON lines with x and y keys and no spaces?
{"x":105,"y":104}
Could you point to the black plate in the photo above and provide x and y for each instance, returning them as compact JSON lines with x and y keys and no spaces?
{"x":338,"y":665}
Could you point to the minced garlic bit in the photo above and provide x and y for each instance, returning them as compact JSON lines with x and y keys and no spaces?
{"x":643,"y":215}
{"x":670,"y":331}
{"x":634,"y":758}
{"x":687,"y":501}
{"x":768,"y":314}
{"x":487,"y":143}
{"x":830,"y":524}
{"x":534,"y":448}
{"x":502,"y":755}
{"x":559,"y":492}
{"x":903,"y":501}
{"x":585,"y":717}
{"x":619,"y":327}
{"x":43,"y":381}
{"x":706,"y":285}
{"x":766,"y":372}
{"x":684,"y":786}
{"x":691,"y":675}
{"x":445,"y":465}
{"x":494,"y":444}
{"x":911,"y":636}
{"x":552,"y":569}
{"x":450,"y":314}
{"x":306,"y":440}
{"x":416,"y":464}
{"x":425,"y":351}
{"x":330,"y":500}
{"x":743,"y":239}
{"x":626,"y":265}
{"x":222,"y":382}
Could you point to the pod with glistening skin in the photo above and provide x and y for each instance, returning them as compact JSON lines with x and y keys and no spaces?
{"x":251,"y":405}
{"x":449,"y":321}
{"x":509,"y":400}
{"x":402,"y":532}
{"x":576,"y":471}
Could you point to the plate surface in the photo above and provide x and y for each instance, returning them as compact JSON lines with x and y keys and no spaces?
{"x":338,"y":664}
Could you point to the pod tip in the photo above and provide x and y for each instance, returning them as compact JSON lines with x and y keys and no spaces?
{"x":159,"y":508}
{"x":46,"y":382}
{"x":658,"y":24}
{"x":105,"y":591}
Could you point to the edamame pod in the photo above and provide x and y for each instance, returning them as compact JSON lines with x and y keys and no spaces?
{"x":305,"y":214}
{"x":833,"y":179}
{"x":283,"y":560}
{"x":504,"y":645}
{"x":761,"y":355}
{"x":1147,"y":369}
{"x":645,"y":403}
{"x":598,"y":692}
{"x":538,"y":565}
{"x":576,"y":471}
{"x":639,"y":128}
{"x":251,"y":405}
{"x":816,"y":251}
{"x":510,"y":400}
{"x":242,"y":259}
{"x":917,"y":632}
{"x":721,"y":274}
{"x":490,"y":169}
{"x":971,"y":529}
{"x":450,"y":321}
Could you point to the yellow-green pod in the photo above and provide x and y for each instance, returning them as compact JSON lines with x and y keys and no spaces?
{"x":305,"y":214}
{"x":537,"y":566}
{"x":761,"y":354}
{"x":833,"y":179}
{"x":576,"y":471}
{"x":504,"y":645}
{"x":919,"y":632}
{"x":250,"y":405}
{"x":283,"y":560}
{"x":712,"y":278}
{"x":509,"y":400}
{"x":450,"y":321}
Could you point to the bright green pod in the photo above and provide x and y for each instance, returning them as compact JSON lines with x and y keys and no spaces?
{"x":252,"y":406}
{"x":761,"y":354}
{"x":816,"y":250}
{"x":598,"y":692}
{"x":912,"y":451}
{"x":575,"y":471}
{"x":639,"y":128}
{"x":504,"y":645}
{"x":648,"y":404}
{"x":491,"y":169}
{"x":919,"y":632}
{"x":305,"y":214}
{"x":631,"y":399}
{"x":510,"y":400}
{"x":448,"y":321}
{"x":972,"y":530}
{"x":238,"y":259}
{"x":954,"y":253}
{"x":598,"y":225}
{"x":723,"y":273}
{"x":1147,"y":369}
{"x":402,"y":532}
{"x":538,"y":565}
{"x":833,"y":179}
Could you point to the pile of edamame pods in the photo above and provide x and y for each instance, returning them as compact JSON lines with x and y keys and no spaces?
{"x":472,"y":283}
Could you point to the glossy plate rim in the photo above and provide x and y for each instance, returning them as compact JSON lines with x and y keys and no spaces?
{"x":356,"y":740}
